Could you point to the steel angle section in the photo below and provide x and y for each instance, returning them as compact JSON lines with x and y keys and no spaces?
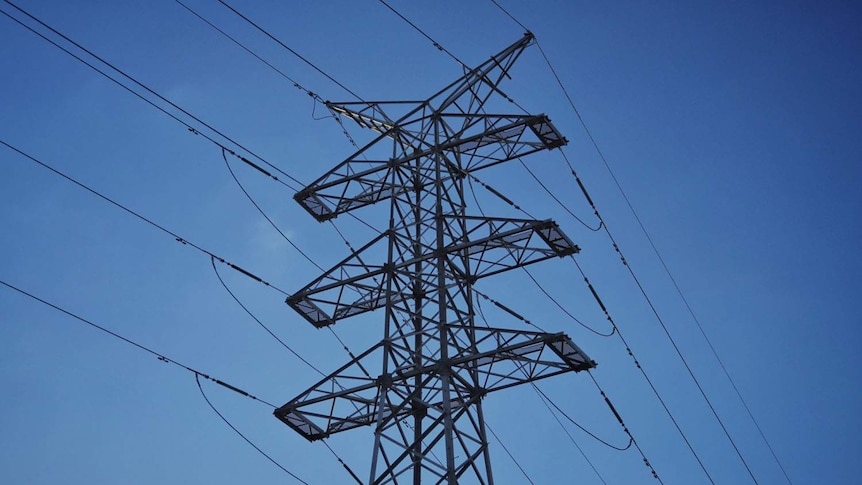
{"x":494,"y":245}
{"x":301,"y":424}
{"x":348,"y":398}
{"x":508,"y":358}
{"x":572,"y":354}
{"x":352,"y":279}
{"x":309,"y":311}
{"x":557,"y":239}
{"x":503,"y":142}
{"x":502,"y":138}
{"x":483,"y":79}
{"x":371,"y":114}
{"x":547,"y":132}
{"x":354,"y":286}
{"x":359,"y":183}
{"x":352,"y":184}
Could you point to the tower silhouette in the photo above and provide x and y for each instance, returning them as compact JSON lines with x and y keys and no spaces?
{"x":421,"y":387}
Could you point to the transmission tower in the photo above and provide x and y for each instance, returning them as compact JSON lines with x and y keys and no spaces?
{"x":421,"y":387}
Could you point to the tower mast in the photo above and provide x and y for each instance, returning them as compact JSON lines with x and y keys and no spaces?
{"x":421,"y":387}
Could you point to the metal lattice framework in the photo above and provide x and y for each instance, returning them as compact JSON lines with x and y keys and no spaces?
{"x":436,"y":365}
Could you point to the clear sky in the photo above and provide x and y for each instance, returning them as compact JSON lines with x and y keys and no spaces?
{"x":733,"y":127}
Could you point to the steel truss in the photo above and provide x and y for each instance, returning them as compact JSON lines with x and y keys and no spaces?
{"x":435,"y":364}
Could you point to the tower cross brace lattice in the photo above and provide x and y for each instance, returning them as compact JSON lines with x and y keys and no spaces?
{"x":436,"y":364}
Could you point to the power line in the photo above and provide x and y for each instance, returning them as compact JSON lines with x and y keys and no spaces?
{"x":496,"y":194}
{"x":585,"y":430}
{"x":493,"y":86}
{"x":273,"y":335}
{"x":625,"y":428}
{"x":267,"y":329}
{"x":198,"y":374}
{"x":187,"y":125}
{"x":335,"y":116}
{"x":685,"y":301}
{"x":572,"y":439}
{"x":314,"y":96}
{"x":544,"y":398}
{"x":248,"y":50}
{"x":517,"y":464}
{"x":347,"y":468}
{"x":563,"y":309}
{"x":271,"y":223}
{"x":691,"y":373}
{"x":645,"y":375}
{"x":212,"y":256}
{"x":509,"y":201}
{"x":541,"y":394}
{"x":517,"y":207}
{"x":547,"y":400}
{"x":666,"y":269}
{"x":180,"y":239}
{"x":505,"y":309}
{"x":223,"y":148}
{"x":133,"y":343}
{"x":241,"y":435}
{"x":190,"y":127}
{"x":557,"y":199}
{"x":295,"y":53}
{"x":405,"y":353}
{"x":510,"y":15}
{"x":443,"y":49}
{"x":176,"y":236}
{"x":433,"y":42}
{"x":149,"y":90}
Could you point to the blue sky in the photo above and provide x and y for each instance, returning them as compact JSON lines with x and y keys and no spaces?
{"x":733,"y":129}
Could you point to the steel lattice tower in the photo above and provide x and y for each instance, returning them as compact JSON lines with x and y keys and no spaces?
{"x":435,"y":364}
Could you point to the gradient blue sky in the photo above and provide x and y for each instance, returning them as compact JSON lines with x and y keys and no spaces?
{"x":733,"y":127}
